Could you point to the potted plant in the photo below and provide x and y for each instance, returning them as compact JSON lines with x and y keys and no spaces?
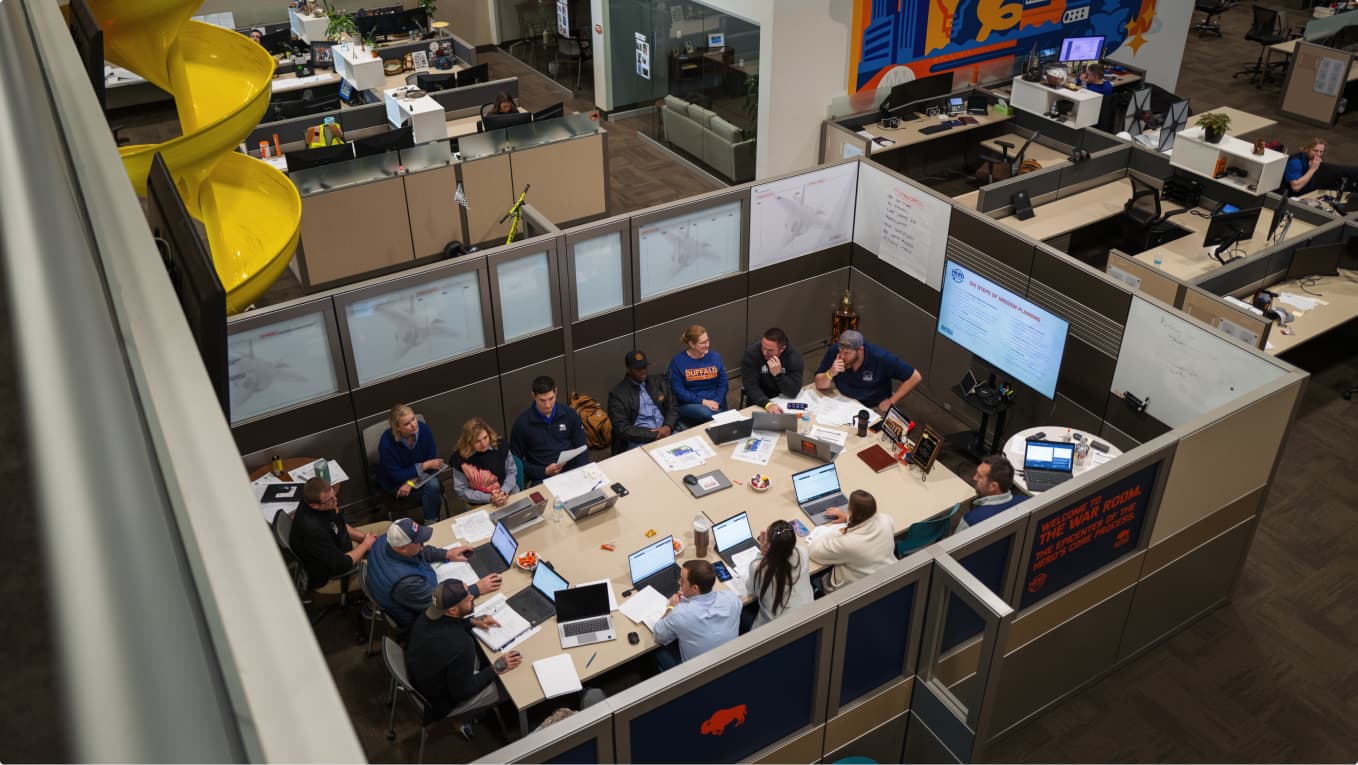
{"x":370,"y":42}
{"x":1214,"y":125}
{"x":340,"y":25}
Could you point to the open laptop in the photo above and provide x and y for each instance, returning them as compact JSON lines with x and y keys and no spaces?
{"x":727,"y":432}
{"x":582,"y":615}
{"x":774,"y":422}
{"x":818,"y":490}
{"x":591,"y":503}
{"x":494,"y":556}
{"x":428,"y":474}
{"x":732,"y":537}
{"x":1047,"y":464}
{"x":537,"y":603}
{"x":812,"y":447}
{"x":654,"y":566}
{"x":521,"y":513}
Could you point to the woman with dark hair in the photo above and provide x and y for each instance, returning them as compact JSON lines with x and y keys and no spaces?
{"x":866,"y":544}
{"x":779,"y":577}
{"x":504,"y":103}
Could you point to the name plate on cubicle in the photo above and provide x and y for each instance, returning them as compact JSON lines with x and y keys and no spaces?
{"x":1132,"y":281}
{"x":1238,"y":332}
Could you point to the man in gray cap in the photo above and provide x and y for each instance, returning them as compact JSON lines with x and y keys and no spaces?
{"x":444,"y":664}
{"x":640,"y":407}
{"x":864,"y":371}
{"x":401,"y":575}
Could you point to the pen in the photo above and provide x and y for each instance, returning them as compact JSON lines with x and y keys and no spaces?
{"x":591,"y":660}
{"x":596,"y":485}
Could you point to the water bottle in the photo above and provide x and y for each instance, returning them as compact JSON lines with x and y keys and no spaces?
{"x":558,"y":510}
{"x":701,"y":535}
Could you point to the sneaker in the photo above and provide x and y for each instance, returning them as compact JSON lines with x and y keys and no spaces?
{"x":466,"y":730}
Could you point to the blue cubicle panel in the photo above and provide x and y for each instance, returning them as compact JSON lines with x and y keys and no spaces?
{"x":988,"y":564}
{"x":876,"y":644}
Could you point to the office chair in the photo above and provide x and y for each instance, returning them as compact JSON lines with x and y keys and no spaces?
{"x":926,"y":532}
{"x":392,"y":504}
{"x":1000,"y":166}
{"x":1348,"y":394}
{"x":1210,"y":25}
{"x":1142,"y":219}
{"x":377,"y":612}
{"x":572,"y":50}
{"x":491,"y":698}
{"x":282,"y":530}
{"x":1266,"y":29}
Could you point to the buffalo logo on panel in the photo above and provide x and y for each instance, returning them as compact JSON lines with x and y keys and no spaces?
{"x":717,"y":723}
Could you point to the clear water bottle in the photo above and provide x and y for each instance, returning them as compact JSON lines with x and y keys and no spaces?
{"x":558,"y":510}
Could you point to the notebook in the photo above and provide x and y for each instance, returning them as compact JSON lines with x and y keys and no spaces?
{"x":582,"y":615}
{"x":818,"y":490}
{"x":653,"y":566}
{"x":1047,"y":464}
{"x":877,"y":458}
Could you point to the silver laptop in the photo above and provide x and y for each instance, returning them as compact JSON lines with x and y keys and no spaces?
{"x":582,"y":615}
{"x":592,"y":503}
{"x":1047,"y":464}
{"x":818,"y":490}
{"x":774,"y":422}
{"x":521,"y":513}
{"x":428,"y":474}
{"x":812,"y":447}
{"x":732,"y":536}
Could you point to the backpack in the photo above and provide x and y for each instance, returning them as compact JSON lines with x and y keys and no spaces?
{"x":598,"y":430}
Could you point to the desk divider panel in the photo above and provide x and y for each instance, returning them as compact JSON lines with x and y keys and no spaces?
{"x":434,"y":217}
{"x":1148,"y":279}
{"x":378,"y":235}
{"x":489,"y":189}
{"x":1152,"y":164}
{"x":1100,"y":168}
{"x":569,"y":178}
{"x":1042,"y":186}
{"x":1094,"y":140}
{"x":1066,"y":134}
{"x":585,"y":737}
{"x":1243,"y":325}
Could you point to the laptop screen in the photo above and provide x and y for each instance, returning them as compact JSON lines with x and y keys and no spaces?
{"x":503,"y":542}
{"x":548,"y":581}
{"x":1047,"y":455}
{"x":895,"y":424}
{"x":582,"y":602}
{"x":731,"y":532}
{"x":815,"y":483}
{"x":651,"y":558}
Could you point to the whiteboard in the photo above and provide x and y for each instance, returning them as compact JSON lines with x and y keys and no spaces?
{"x":279,"y":365}
{"x":598,"y":275}
{"x":801,"y":215}
{"x":416,"y":326}
{"x":1185,"y":368}
{"x":525,"y":295}
{"x":902,"y":224}
{"x":689,"y":249}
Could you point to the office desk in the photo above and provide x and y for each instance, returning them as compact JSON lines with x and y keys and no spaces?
{"x":1014,"y":448}
{"x":1045,"y":155}
{"x":1289,"y":47}
{"x":1340,"y":296}
{"x":290,"y":81}
{"x":908,"y":134}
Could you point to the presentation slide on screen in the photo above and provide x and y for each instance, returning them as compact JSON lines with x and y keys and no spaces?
{"x":525,"y":295}
{"x":279,"y":365}
{"x":598,"y":275}
{"x":410,"y":328}
{"x":690,"y":249}
{"x":801,"y":215}
{"x":1019,"y":337}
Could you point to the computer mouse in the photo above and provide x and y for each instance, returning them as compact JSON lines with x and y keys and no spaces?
{"x":691,"y":479}
{"x":633,"y":638}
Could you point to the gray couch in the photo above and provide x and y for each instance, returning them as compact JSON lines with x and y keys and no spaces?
{"x":700,"y":132}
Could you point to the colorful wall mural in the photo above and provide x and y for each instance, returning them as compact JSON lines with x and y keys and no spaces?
{"x":900,"y":40}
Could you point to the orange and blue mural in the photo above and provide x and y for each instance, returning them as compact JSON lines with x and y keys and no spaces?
{"x":930,"y":37}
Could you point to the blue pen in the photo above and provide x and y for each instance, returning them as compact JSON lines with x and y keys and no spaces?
{"x":596,"y":485}
{"x":591,"y":660}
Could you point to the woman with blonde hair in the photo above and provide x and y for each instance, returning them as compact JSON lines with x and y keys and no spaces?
{"x":698,"y":378}
{"x":483,"y":468}
{"x":405,"y":452}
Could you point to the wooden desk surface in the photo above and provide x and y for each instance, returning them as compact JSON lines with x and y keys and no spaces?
{"x":1069,"y":213}
{"x":1045,"y":155}
{"x":1288,"y":47}
{"x":1241,"y":122}
{"x":660,"y":502}
{"x":1339,"y":303}
{"x":1185,"y":258}
{"x":909,"y":132}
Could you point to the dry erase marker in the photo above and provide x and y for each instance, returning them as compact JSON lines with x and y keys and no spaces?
{"x":591,"y":660}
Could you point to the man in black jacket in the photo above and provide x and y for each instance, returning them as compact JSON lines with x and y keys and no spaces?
{"x":640,"y":408}
{"x":322,"y":541}
{"x":771,"y":367}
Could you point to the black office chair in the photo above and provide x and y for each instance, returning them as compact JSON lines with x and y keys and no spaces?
{"x":1000,"y":166}
{"x":1210,"y":25}
{"x":1144,"y":224}
{"x":1348,"y":394}
{"x":1266,"y":29}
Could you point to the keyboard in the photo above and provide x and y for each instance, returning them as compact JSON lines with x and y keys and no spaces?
{"x":1041,"y":480}
{"x":817,"y":509}
{"x":585,"y":626}
{"x":935,"y":129}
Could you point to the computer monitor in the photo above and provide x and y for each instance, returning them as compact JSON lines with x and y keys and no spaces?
{"x":325,"y":155}
{"x":1075,"y":49}
{"x":431,"y":83}
{"x":1047,"y":55}
{"x":557,"y":109}
{"x":89,"y":44}
{"x":277,"y":42}
{"x":346,"y":91}
{"x":188,"y":261}
{"x":500,"y":121}
{"x":388,"y":23}
{"x":1280,"y":214}
{"x":473,"y":74}
{"x":917,"y":92}
{"x":400,"y":138}
{"x":1315,"y":261}
{"x":1226,"y":229}
{"x":716,"y":40}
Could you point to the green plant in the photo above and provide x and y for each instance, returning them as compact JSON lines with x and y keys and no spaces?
{"x":340,"y":23}
{"x":370,"y":41}
{"x":1217,"y":122}
{"x":429,"y":7}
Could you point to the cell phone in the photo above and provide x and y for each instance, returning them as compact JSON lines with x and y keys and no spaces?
{"x":876,"y":427}
{"x":800,"y":527}
{"x":619,"y":489}
{"x":1038,"y":436}
{"x":1099,"y":446}
{"x":799,"y":406}
{"x":722,"y":573}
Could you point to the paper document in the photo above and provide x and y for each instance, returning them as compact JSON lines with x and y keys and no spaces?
{"x":645,"y":607}
{"x":557,"y":675}
{"x":824,"y":531}
{"x":260,"y":484}
{"x":573,"y":483}
{"x":456,"y":569}
{"x":1301,"y":302}
{"x":473,"y":527}
{"x":833,"y":435}
{"x":518,"y":641}
{"x":270,"y":509}
{"x":612,"y":599}
{"x":834,"y":411}
{"x":570,"y":454}
{"x":730,"y":415}
{"x":807,"y":397}
{"x":757,"y":449}
{"x":511,"y":624}
{"x":740,"y":562}
{"x":682,"y":455}
{"x":308,"y":471}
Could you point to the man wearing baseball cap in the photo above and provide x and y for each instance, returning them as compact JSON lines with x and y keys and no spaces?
{"x":641,"y":408}
{"x":400,"y":576}
{"x":864,"y":371}
{"x":443,"y":660}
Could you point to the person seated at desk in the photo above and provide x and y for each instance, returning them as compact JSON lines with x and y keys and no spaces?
{"x":771,"y":367}
{"x":544,"y":431}
{"x":994,"y":479}
{"x":1306,"y":172}
{"x":322,"y":541}
{"x":698,"y":378}
{"x":503,"y":103}
{"x":401,"y":577}
{"x":865,"y":545}
{"x":444,"y":663}
{"x":1092,"y":77}
{"x":779,"y":579}
{"x":404,"y":452}
{"x":641,"y":408}
{"x":698,"y":619}
{"x":864,"y":371}
{"x":483,"y":467}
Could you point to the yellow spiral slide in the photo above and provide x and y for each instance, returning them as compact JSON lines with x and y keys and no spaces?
{"x":220,"y":80}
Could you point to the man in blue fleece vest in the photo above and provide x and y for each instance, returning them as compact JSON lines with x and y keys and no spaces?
{"x":401,"y":577}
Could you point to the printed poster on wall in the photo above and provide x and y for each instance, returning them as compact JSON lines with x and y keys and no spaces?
{"x":643,"y":57}
{"x":563,"y":18}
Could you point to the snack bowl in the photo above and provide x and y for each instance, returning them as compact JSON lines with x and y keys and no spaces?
{"x":528,"y":561}
{"x":678,"y":546}
{"x":760,"y":482}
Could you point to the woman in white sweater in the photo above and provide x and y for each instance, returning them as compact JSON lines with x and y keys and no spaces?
{"x":779,"y":579}
{"x":866,"y":544}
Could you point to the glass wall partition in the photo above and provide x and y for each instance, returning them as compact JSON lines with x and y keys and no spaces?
{"x":552,"y":36}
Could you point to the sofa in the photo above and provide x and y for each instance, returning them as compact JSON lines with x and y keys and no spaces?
{"x":701,"y":133}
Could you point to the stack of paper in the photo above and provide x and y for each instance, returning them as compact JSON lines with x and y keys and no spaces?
{"x":473,"y":527}
{"x":308,"y":471}
{"x":740,"y":562}
{"x":456,"y":569}
{"x":757,"y":449}
{"x":269,"y":509}
{"x":645,"y":607}
{"x":833,"y":435}
{"x":824,"y":531}
{"x":512,"y":625}
{"x":730,"y":415}
{"x":572,"y":483}
{"x":557,"y":675}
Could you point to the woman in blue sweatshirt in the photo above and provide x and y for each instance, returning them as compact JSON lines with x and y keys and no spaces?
{"x":698,"y":378}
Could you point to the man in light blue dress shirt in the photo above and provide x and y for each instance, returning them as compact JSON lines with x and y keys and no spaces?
{"x":697,"y":619}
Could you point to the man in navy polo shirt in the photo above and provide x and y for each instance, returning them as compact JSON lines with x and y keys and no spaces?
{"x":864,"y":371}
{"x":544,"y":431}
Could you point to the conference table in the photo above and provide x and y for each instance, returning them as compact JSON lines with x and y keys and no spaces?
{"x":1014,"y":449}
{"x":659,"y":502}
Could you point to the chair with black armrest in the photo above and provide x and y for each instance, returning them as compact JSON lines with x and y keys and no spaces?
{"x":1142,"y":219}
{"x":377,"y":613}
{"x":491,"y":698}
{"x":1266,"y":29}
{"x":394,"y":505}
{"x":1210,"y":25}
{"x":1000,"y":166}
{"x":282,"y":531}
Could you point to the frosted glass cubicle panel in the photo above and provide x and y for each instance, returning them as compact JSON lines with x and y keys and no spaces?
{"x":689,"y":249}
{"x":277,"y":365}
{"x":415,"y":326}
{"x":525,"y":289}
{"x":599,"y":275}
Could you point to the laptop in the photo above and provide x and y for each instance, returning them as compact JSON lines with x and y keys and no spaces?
{"x":818,"y":490}
{"x":591,"y":503}
{"x":896,"y":426}
{"x":727,"y":432}
{"x":774,"y":422}
{"x":654,"y":566}
{"x":494,"y":556}
{"x":582,"y":615}
{"x":812,"y":447}
{"x":428,"y":474}
{"x":1047,"y":464}
{"x":521,"y":513}
{"x":731,"y":537}
{"x":536,"y":604}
